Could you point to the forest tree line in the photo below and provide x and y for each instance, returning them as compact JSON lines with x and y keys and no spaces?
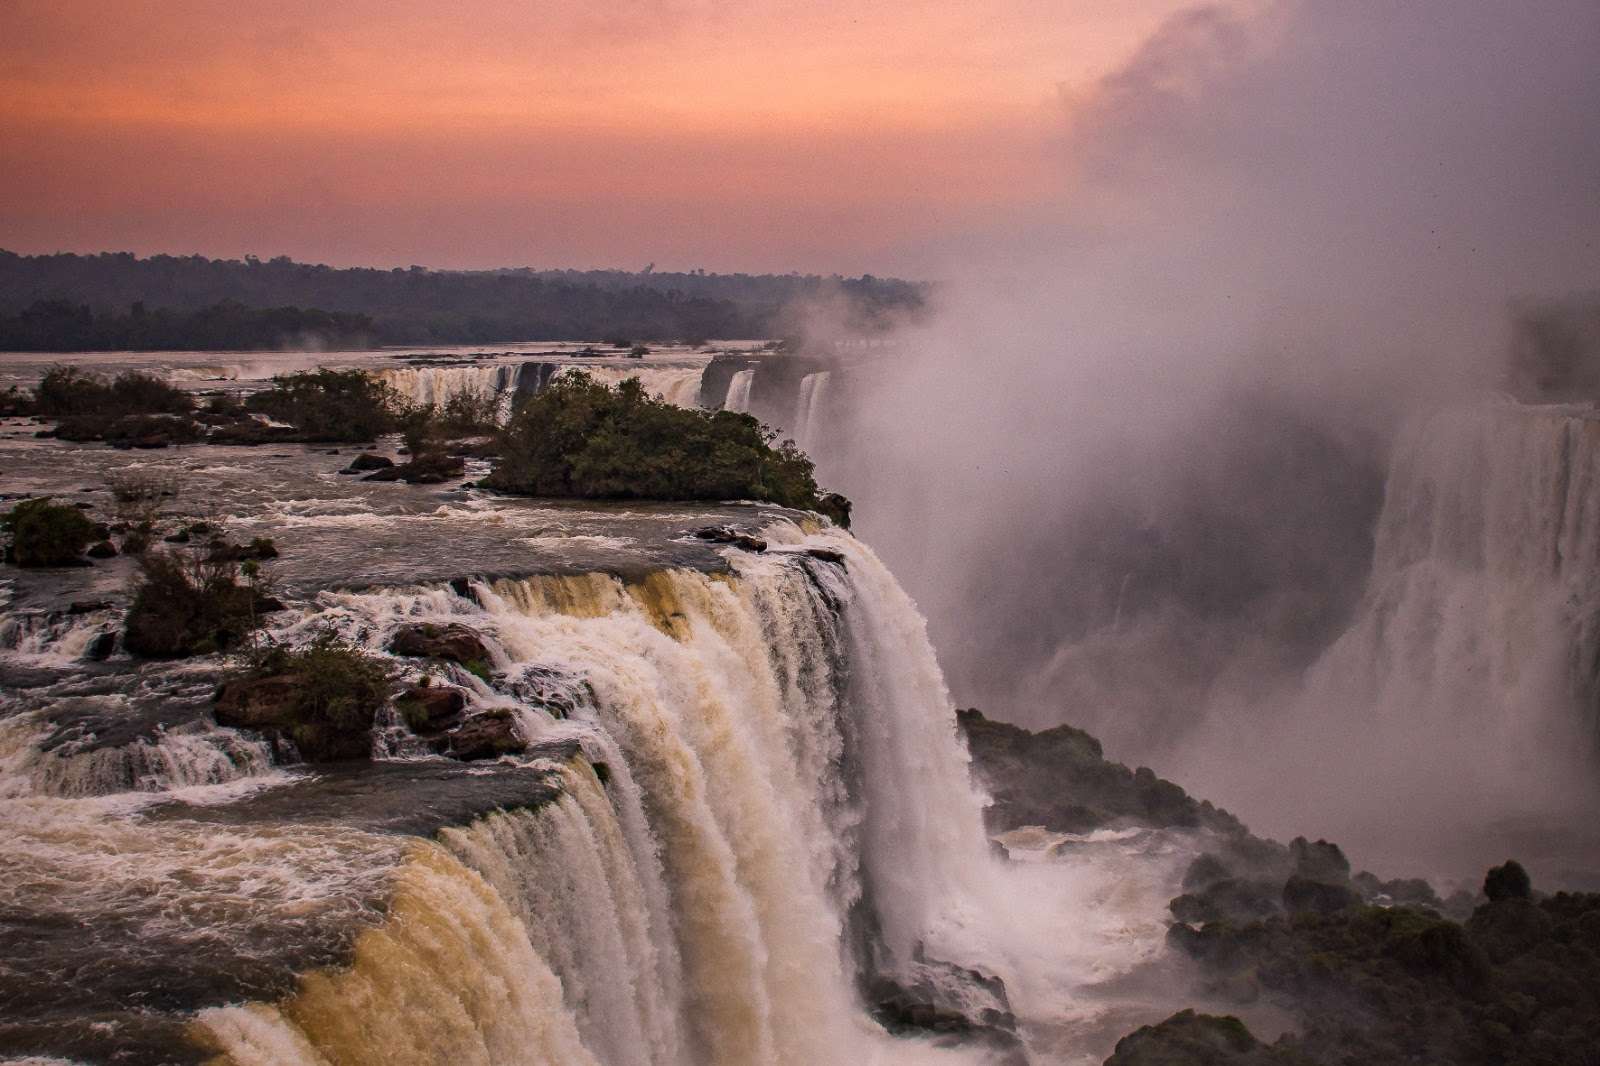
{"x":117,"y":300}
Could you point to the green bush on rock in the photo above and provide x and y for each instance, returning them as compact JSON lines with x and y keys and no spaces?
{"x":47,"y":534}
{"x":577,"y":437}
{"x":191,"y":605}
{"x":332,"y":406}
{"x":322,"y":696}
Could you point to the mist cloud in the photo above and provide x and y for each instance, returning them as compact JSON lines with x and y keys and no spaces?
{"x":1132,"y":471}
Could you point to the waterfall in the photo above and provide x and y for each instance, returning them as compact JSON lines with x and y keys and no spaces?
{"x":769,"y":773}
{"x":1465,"y":688}
{"x":739,"y":391}
{"x":436,"y":385}
{"x":450,"y":977}
{"x":678,"y":385}
{"x":813,"y":390}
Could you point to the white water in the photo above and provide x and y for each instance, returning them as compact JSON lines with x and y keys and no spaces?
{"x":813,"y":396}
{"x":739,"y":391}
{"x":779,"y":748}
{"x":678,"y":385}
{"x":437,"y":385}
{"x":1464,"y":692}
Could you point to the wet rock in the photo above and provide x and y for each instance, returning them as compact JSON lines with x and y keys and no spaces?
{"x":261,"y":548}
{"x":429,"y":709}
{"x":933,"y":996}
{"x":367,"y":461}
{"x":835,"y":508}
{"x":488,"y":734}
{"x":180,"y":537}
{"x":453,"y":642}
{"x":88,"y":606}
{"x":827,"y":555}
{"x":1190,"y":1039}
{"x":103,"y":550}
{"x":1059,"y":778}
{"x":100,"y":648}
{"x":724,"y":535}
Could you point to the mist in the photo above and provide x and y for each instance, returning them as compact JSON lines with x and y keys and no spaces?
{"x":1134,"y":468}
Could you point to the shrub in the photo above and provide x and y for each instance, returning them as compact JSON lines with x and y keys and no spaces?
{"x":323,"y":696}
{"x":67,"y":391}
{"x":136,"y":495}
{"x":331,"y":405}
{"x":47,"y":534}
{"x":577,"y":437}
{"x":191,"y":605}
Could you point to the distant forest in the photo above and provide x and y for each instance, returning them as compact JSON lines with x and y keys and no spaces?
{"x":115,"y":300}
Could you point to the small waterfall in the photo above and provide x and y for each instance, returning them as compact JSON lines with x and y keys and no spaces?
{"x":739,"y":391}
{"x":677,"y":385}
{"x":813,"y":394}
{"x":436,"y":385}
{"x":450,"y":977}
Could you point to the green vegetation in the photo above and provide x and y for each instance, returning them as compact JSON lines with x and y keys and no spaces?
{"x":579,"y":438}
{"x":192,"y":604}
{"x":101,"y":301}
{"x":1517,"y":984}
{"x":323,"y":696}
{"x":47,"y":534}
{"x":333,"y":406}
{"x":65,"y":326}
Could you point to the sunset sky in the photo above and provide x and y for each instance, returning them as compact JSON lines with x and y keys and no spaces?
{"x":759,"y":135}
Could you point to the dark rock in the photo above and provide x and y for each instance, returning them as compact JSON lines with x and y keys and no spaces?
{"x":453,"y":642}
{"x":103,"y":550}
{"x":431,"y":708}
{"x":488,"y":734}
{"x":827,"y":555}
{"x":933,"y":996}
{"x":1059,"y":778}
{"x":88,"y":606}
{"x":260,"y":549}
{"x":835,"y":508}
{"x":388,"y":473}
{"x":366,"y":461}
{"x":1190,"y":1039}
{"x":1301,"y":894}
{"x":724,"y":535}
{"x":180,"y":537}
{"x":101,"y":646}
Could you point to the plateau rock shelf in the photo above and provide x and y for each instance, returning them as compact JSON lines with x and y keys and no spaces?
{"x":735,"y":802}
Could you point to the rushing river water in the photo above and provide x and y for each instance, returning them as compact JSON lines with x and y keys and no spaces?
{"x":742,"y":796}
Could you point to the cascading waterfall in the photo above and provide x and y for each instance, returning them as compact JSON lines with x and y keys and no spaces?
{"x":1465,"y":688}
{"x":739,"y":385}
{"x":423,"y":385}
{"x":678,"y":385}
{"x":813,"y":394}
{"x":761,"y":733}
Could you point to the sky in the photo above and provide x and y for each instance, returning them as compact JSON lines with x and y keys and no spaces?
{"x":763,"y":135}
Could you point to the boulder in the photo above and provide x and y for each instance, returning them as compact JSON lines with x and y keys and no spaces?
{"x":102,"y":550}
{"x":724,"y":535}
{"x":430,"y":709}
{"x":367,"y":461}
{"x":488,"y":734}
{"x":827,"y":555}
{"x":452,"y":642}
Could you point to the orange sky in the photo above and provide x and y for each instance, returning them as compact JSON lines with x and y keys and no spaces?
{"x":764,"y":135}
